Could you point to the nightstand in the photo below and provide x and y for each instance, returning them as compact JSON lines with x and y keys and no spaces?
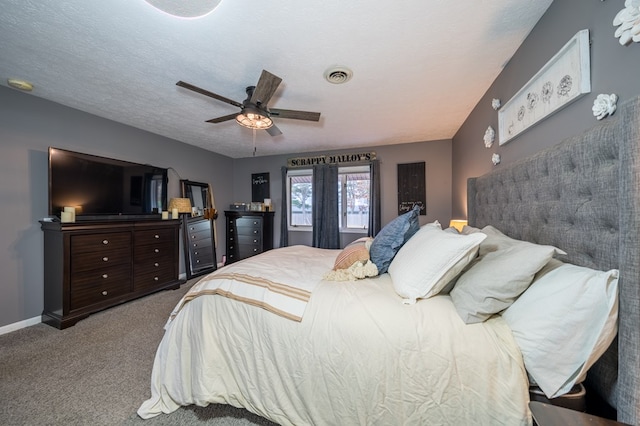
{"x":552,"y":415}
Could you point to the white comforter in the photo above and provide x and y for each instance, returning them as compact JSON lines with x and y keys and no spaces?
{"x":358,"y":357}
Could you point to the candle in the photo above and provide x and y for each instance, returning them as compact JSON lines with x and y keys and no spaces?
{"x":267,"y":204}
{"x":174,"y":213}
{"x":66,"y":217}
{"x":165,"y":215}
{"x":72,"y":212}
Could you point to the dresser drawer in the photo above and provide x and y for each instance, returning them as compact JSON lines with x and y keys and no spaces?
{"x":199,"y":226}
{"x":249,"y":225}
{"x":98,"y":242}
{"x":249,"y":240}
{"x":204,"y":235}
{"x":91,"y":260}
{"x":148,"y":276}
{"x":144,"y":253}
{"x":154,"y":236}
{"x":201,"y":257}
{"x":247,"y":250}
{"x":96,"y":286}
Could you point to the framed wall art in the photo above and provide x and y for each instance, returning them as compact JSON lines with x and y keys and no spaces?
{"x":412,"y":187}
{"x":565,"y":78}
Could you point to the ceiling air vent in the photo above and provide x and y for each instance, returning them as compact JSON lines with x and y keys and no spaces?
{"x":338,"y":75}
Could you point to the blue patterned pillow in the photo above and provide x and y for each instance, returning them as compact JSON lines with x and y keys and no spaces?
{"x":390,"y":238}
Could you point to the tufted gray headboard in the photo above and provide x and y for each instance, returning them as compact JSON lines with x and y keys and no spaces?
{"x":583,"y":196}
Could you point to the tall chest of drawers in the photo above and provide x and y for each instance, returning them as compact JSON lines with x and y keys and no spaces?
{"x":95,"y":265}
{"x":199,"y":247}
{"x":248,"y":234}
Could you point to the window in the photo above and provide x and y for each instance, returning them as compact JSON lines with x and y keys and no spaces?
{"x":299,"y":191}
{"x":354,"y":184}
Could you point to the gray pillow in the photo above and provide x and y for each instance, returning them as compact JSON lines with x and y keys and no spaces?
{"x":390,"y":238}
{"x":503,"y":270}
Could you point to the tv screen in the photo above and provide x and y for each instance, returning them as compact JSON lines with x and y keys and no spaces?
{"x":104,"y":188}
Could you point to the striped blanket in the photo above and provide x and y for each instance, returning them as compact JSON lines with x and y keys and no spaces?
{"x":280,"y":281}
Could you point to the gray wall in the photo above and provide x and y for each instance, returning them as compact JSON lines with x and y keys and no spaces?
{"x":28,"y":126}
{"x":614,"y":69}
{"x":436,"y":155}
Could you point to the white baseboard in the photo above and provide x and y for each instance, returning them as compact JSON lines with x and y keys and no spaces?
{"x":20,"y":324}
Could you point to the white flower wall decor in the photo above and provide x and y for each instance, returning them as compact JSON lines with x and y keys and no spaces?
{"x":628,"y":22}
{"x":489,"y":137}
{"x":604,"y":105}
{"x":495,"y":159}
{"x":495,"y":104}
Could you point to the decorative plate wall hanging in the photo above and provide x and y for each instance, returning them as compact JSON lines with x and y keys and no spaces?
{"x":562,"y":80}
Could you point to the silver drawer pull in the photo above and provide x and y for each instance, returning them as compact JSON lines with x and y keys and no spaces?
{"x":255,"y":222}
{"x":105,"y":242}
{"x":156,"y":236}
{"x":193,"y":236}
{"x":198,"y":261}
{"x":255,"y":231}
{"x":105,"y":259}
{"x":105,"y":276}
{"x":255,"y":241}
{"x":104,"y":293}
{"x":156,"y":264}
{"x":196,"y":253}
{"x":156,"y":278}
{"x":156,"y":250}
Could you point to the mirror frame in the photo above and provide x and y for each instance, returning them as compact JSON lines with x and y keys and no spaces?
{"x":188,"y":188}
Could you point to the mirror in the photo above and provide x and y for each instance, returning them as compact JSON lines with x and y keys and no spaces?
{"x":198,"y":231}
{"x":200,"y":198}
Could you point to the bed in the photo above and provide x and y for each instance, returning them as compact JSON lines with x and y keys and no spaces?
{"x":298,"y":347}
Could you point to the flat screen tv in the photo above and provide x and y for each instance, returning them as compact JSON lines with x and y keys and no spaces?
{"x":105,"y":188}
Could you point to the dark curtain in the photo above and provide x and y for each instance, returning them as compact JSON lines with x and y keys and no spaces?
{"x":326,"y":231}
{"x":374,"y":200}
{"x":284,"y":225}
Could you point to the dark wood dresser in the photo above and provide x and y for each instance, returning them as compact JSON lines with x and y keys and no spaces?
{"x":90,"y":266}
{"x":200,"y":251}
{"x":248,"y":233}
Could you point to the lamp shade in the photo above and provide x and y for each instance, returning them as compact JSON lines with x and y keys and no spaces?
{"x":182,"y":204}
{"x":458,"y":224}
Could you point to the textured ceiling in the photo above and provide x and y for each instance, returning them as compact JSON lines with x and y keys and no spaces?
{"x":419,"y":66}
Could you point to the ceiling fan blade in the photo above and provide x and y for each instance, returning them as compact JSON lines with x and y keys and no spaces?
{"x":223,"y":118}
{"x":298,"y":115}
{"x":266,"y":87}
{"x":208,"y":93}
{"x":274,"y":131}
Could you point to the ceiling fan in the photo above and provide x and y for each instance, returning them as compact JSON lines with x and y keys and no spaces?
{"x":254,"y":112}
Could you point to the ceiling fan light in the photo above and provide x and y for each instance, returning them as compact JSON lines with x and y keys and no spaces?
{"x":253,"y":120}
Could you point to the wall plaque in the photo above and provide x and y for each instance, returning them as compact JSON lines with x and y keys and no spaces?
{"x":412,"y":187}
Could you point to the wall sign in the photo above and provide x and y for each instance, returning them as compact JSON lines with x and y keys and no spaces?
{"x":412,"y":186}
{"x":357,"y":157}
{"x":260,"y":187}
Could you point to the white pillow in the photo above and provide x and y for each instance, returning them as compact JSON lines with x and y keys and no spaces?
{"x":429,"y":260}
{"x":563,"y":323}
{"x":504,"y":269}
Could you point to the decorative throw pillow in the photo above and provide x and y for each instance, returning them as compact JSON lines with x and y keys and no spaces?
{"x":563,"y":323}
{"x":504,"y":269}
{"x":430,"y":260}
{"x":357,"y":251}
{"x":390,"y":238}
